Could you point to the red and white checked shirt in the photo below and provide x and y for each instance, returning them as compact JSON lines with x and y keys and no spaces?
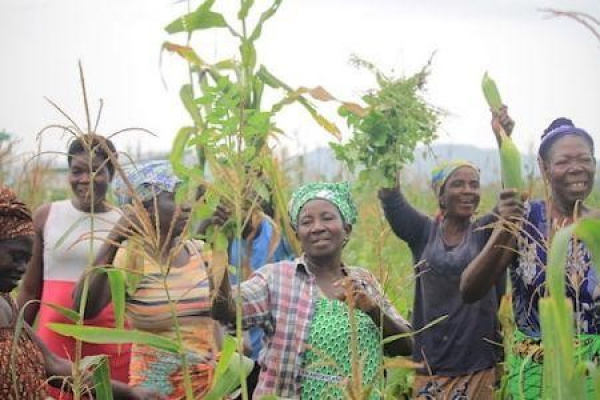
{"x":280,"y":298}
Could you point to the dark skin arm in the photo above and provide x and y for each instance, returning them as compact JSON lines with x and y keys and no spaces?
{"x":98,"y":286}
{"x":60,"y":367}
{"x":223,"y":305}
{"x":33,"y":280}
{"x":353,"y":288}
{"x":484,"y":271}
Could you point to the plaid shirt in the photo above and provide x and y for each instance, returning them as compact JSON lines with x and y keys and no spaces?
{"x":281,"y":298}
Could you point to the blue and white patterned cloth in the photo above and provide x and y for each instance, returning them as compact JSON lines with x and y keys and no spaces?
{"x":147,"y":179}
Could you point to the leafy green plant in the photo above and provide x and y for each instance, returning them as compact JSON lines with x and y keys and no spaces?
{"x":384,"y":136}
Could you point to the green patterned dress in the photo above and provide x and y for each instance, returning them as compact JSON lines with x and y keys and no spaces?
{"x":327,"y":369}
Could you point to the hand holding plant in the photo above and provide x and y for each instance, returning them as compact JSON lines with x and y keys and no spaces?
{"x":396,"y":121}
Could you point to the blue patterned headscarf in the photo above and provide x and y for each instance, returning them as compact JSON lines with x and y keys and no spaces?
{"x":559,"y":128}
{"x":441,"y":173}
{"x":147,"y":179}
{"x":336,"y":193}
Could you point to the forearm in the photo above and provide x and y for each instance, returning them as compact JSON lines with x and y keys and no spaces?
{"x":32,"y":309}
{"x":393,"y":327}
{"x":406,"y":222}
{"x":98,"y":289}
{"x":485,"y":269}
{"x":223,"y":304}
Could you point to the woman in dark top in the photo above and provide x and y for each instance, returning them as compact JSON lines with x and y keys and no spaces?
{"x":459,"y":353}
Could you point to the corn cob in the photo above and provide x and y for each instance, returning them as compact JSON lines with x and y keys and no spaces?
{"x":510,"y":157}
{"x":490,"y":91}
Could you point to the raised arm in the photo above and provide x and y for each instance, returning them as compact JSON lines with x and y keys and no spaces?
{"x":33,"y":280}
{"x":406,"y":221}
{"x":485,"y":270}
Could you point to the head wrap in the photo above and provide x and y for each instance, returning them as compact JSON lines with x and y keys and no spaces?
{"x":557,"y":129}
{"x":147,"y":179}
{"x":15,"y":217}
{"x":336,"y":193}
{"x":441,"y":173}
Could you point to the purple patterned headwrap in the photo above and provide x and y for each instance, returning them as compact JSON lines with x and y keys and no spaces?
{"x":560,"y":128}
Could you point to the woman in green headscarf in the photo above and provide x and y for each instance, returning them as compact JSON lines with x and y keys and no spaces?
{"x":307,"y":306}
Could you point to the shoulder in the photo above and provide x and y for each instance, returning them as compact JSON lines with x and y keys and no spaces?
{"x":40,"y":216}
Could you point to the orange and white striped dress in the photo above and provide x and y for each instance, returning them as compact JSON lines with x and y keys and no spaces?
{"x":159,"y":300}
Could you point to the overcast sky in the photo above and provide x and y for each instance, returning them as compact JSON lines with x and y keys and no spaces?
{"x":545,"y":68}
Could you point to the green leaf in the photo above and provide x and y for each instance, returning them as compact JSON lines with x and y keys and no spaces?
{"x":94,"y":334}
{"x":246,"y":5}
{"x":178,"y":151}
{"x":248,"y":52}
{"x":263,"y":18}
{"x":202,"y":18}
{"x":588,"y":230}
{"x":118,"y":288}
{"x":101,"y":375}
{"x":187,"y":98}
{"x":229,"y":346}
{"x":269,"y":79}
{"x":238,"y":367}
{"x":65,"y":312}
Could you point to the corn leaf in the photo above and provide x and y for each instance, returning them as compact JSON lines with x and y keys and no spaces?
{"x":238,"y":367}
{"x":588,"y":230}
{"x":94,"y":334}
{"x":101,"y":375}
{"x":65,"y":312}
{"x":118,"y":287}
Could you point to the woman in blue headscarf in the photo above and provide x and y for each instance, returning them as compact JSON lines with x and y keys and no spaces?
{"x":458,"y":354}
{"x":167,"y":289}
{"x":567,"y":162}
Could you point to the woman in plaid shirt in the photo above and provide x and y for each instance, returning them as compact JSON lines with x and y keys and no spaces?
{"x":317,"y":313}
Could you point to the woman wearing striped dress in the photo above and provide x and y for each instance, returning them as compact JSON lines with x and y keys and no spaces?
{"x":167,"y":290}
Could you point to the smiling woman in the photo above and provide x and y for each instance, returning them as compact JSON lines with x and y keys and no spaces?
{"x":566,"y":158}
{"x":68,"y":233}
{"x":312,"y":307}
{"x":458,"y":354}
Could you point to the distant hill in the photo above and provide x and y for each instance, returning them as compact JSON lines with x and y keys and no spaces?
{"x":320,"y":163}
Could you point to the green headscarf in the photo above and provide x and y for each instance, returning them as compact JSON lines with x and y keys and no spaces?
{"x":336,"y":193}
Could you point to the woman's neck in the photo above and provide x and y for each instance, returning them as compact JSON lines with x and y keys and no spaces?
{"x":566,"y":213}
{"x":99,"y":207}
{"x":453,"y":230}
{"x":325,"y":268}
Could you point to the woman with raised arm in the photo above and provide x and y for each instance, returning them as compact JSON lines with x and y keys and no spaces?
{"x":26,"y":367}
{"x":459,"y":352}
{"x":306,"y":307}
{"x":167,"y":293}
{"x":568,"y":166}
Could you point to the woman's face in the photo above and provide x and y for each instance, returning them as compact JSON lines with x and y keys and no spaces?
{"x":321,"y":229}
{"x":570,"y":170}
{"x":168,"y":209}
{"x":14,"y":257}
{"x":460,"y":196}
{"x":83,"y":175}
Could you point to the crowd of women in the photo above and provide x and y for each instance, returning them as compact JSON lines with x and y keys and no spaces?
{"x":317,"y":324}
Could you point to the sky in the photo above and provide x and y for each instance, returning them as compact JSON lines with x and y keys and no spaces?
{"x":544,"y":67}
